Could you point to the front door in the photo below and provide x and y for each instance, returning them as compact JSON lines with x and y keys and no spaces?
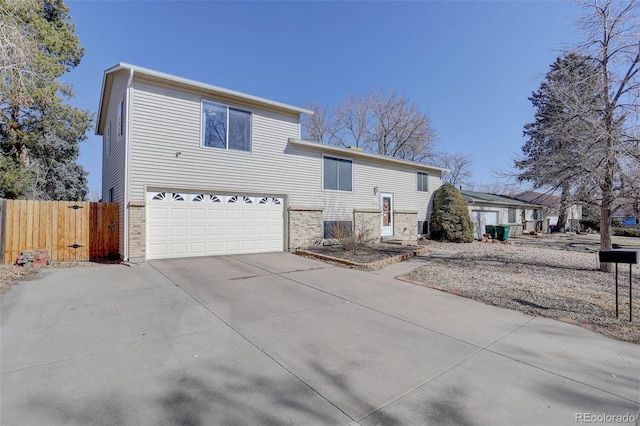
{"x":386,"y":205}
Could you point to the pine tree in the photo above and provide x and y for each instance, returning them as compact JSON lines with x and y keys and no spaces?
{"x":39,"y":132}
{"x":562,"y":143}
{"x":450,"y":220}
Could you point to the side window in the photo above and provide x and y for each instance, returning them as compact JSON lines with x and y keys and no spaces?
{"x":111,"y":195}
{"x":107,"y":140}
{"x":338,"y":174}
{"x":423,"y":185}
{"x":121,"y":118}
{"x":512,"y":215}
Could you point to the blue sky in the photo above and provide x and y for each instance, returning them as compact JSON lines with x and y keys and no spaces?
{"x":469,"y":65}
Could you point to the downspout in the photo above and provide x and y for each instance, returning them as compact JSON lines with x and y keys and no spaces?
{"x":127,"y":161}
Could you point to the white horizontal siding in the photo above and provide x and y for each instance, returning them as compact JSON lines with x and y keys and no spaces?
{"x":166,"y":121}
{"x":113,"y":165}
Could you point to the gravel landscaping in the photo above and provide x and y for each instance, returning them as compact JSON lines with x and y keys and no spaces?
{"x":10,"y":274}
{"x":535,"y":280}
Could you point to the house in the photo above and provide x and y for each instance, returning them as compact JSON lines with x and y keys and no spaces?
{"x":200,"y":170}
{"x":550,"y":206}
{"x":492,"y":209}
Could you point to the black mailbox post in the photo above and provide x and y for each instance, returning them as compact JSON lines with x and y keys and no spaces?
{"x":620,"y":256}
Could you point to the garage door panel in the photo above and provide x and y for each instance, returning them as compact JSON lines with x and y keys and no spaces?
{"x":199,"y":224}
{"x":214,"y":214}
{"x":198,"y":248}
{"x":275,"y":214}
{"x":158,"y":231}
{"x":159,"y":250}
{"x":197,"y":214}
{"x":178,"y":213}
{"x":215,"y":230}
{"x":215,"y":247}
{"x":197,"y":231}
{"x":232,"y":246}
{"x":178,"y":231}
{"x":157,"y":213}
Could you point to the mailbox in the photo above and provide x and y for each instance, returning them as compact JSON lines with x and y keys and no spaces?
{"x":618,"y":256}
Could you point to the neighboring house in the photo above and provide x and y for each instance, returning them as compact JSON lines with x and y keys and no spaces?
{"x":628,"y":217}
{"x":551,"y":204}
{"x":201,"y":170}
{"x":491,"y":209}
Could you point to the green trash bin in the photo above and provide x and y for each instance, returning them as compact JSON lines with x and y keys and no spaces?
{"x":502,"y":232}
{"x":491,"y":230}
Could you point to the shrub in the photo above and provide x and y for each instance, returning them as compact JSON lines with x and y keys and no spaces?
{"x":349,"y":239}
{"x":626,"y":232}
{"x":450,"y":220}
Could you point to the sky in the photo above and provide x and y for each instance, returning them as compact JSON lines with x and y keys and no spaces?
{"x":469,"y":65}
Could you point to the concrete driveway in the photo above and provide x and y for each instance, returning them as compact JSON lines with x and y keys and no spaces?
{"x":275,"y":339}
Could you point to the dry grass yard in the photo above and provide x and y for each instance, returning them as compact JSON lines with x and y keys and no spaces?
{"x":546,"y":281}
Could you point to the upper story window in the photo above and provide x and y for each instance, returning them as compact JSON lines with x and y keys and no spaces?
{"x":120,"y":118}
{"x":338,"y":174}
{"x":226,"y":128}
{"x":423,"y":182}
{"x":107,"y":139}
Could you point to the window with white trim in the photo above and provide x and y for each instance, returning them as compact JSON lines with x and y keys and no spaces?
{"x":107,"y":139}
{"x":111,"y":198}
{"x":225,"y":127}
{"x":423,"y":184}
{"x":338,"y":174}
{"x":120,"y":128}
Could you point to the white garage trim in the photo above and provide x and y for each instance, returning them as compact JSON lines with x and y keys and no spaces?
{"x":190,"y":223}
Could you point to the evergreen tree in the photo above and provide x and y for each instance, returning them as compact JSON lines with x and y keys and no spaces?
{"x":39,"y":131}
{"x":562,"y":144}
{"x":450,"y":220}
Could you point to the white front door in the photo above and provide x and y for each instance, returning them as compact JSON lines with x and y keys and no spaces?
{"x":386,"y":205}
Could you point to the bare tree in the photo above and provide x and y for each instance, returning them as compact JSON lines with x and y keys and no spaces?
{"x":382,"y":122}
{"x":353,"y":123}
{"x":611,"y":30}
{"x":585,"y":138}
{"x":320,"y":126}
{"x":504,"y":187}
{"x":459,"y":166}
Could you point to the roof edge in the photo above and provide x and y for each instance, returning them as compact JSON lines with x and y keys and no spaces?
{"x":318,"y":146}
{"x":189,"y":83}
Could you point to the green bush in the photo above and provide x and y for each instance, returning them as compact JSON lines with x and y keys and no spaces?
{"x":626,"y":232}
{"x":450,"y":220}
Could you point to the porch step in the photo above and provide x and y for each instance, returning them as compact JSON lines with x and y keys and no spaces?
{"x":392,"y":239}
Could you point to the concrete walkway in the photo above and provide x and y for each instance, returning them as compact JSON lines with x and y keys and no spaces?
{"x":277,"y":339}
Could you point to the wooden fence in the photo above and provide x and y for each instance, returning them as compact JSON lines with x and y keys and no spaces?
{"x":70,"y":231}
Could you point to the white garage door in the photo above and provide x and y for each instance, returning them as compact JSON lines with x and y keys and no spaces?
{"x":482,"y":218}
{"x":185,"y":224}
